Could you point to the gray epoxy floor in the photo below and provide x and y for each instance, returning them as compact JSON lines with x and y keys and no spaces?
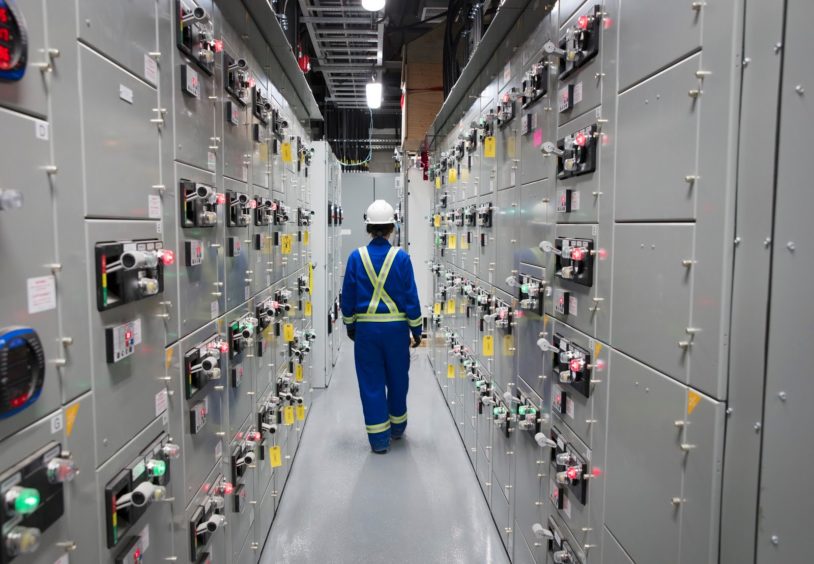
{"x":420,"y":503}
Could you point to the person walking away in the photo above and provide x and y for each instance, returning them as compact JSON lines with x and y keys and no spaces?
{"x":380,"y":310}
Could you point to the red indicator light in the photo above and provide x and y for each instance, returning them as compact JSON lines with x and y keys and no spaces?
{"x":603,"y":254}
{"x":576,"y":365}
{"x":224,"y":347}
{"x":578,"y":254}
{"x":580,"y":139}
{"x":253,"y":204}
{"x":167,"y":257}
{"x":519,"y":314}
{"x":19,"y":400}
{"x":582,"y":22}
{"x":3,"y":15}
{"x":221,"y":199}
{"x":137,"y":555}
{"x":596,"y":472}
{"x":573,"y":473}
{"x":218,"y":46}
{"x":253,"y":436}
{"x":227,"y":488}
{"x":600,"y":365}
{"x":128,"y":335}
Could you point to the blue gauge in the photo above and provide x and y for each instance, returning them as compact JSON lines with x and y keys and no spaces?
{"x":22,"y":369}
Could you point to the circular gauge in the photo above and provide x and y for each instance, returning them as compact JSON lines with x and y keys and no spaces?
{"x":13,"y":42}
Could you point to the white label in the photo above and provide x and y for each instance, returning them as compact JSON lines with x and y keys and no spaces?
{"x":192,"y":83}
{"x":572,"y":305}
{"x":398,"y":182}
{"x":154,"y":206}
{"x":41,"y":130}
{"x":344,"y":231}
{"x":512,"y":178}
{"x":158,"y":227}
{"x":214,"y":309}
{"x":150,"y":69}
{"x":563,"y":99}
{"x":507,"y":72}
{"x":161,"y":402}
{"x":218,"y":450}
{"x":534,"y":120}
{"x":247,"y":291}
{"x":577,"y":93}
{"x":245,"y":173}
{"x":566,"y":504}
{"x":137,"y":332}
{"x":125,"y":94}
{"x":211,"y":160}
{"x":165,"y":419}
{"x":57,"y":423}
{"x":575,"y":200}
{"x":42,"y":294}
{"x":569,"y":407}
{"x":594,"y":230}
{"x":145,"y":538}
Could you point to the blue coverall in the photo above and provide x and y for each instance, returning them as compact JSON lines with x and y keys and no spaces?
{"x":382,"y":321}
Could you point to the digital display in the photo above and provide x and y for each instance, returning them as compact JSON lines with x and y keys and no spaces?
{"x":13,"y":42}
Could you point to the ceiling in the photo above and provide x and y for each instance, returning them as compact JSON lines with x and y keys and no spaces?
{"x":349,"y":46}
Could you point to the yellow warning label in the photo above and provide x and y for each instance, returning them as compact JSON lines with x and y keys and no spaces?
{"x":597,"y":349}
{"x":436,"y":220}
{"x":488,"y":346}
{"x":307,"y":309}
{"x":298,"y":372}
{"x":311,"y":278}
{"x":275,"y":457}
{"x":436,"y":309}
{"x":300,"y":413}
{"x":288,"y":415}
{"x":70,"y":418}
{"x":306,"y":237}
{"x":464,"y":243}
{"x":462,"y":308}
{"x":285,"y":244}
{"x":437,"y":182}
{"x":508,"y":345}
{"x":452,"y":242}
{"x":453,"y":176}
{"x":288,"y":332}
{"x":451,"y":307}
{"x":286,"y":152}
{"x":489,"y":147}
{"x":450,"y":371}
{"x":693,"y":398}
{"x":168,"y":357}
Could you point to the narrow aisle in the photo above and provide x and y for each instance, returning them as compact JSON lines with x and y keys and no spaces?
{"x":419,"y":503}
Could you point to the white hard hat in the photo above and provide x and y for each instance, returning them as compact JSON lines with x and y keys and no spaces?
{"x":380,"y":213}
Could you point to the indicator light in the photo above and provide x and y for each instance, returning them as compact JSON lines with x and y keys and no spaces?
{"x":157,"y":468}
{"x":22,"y":540}
{"x":253,"y":437}
{"x":573,"y":473}
{"x":171,"y":450}
{"x":224,"y":347}
{"x":19,"y":400}
{"x":580,"y":139}
{"x":576,"y":365}
{"x":22,"y":501}
{"x":167,"y":257}
{"x":218,"y":45}
{"x":253,"y":204}
{"x":524,"y":288}
{"x":582,"y":22}
{"x":220,"y":199}
{"x":577,"y":254}
{"x":61,"y":470}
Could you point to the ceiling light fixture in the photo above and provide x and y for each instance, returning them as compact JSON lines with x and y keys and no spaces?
{"x":373,"y":5}
{"x":373,"y":90}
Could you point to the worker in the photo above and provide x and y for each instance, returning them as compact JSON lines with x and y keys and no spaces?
{"x":381,"y":312}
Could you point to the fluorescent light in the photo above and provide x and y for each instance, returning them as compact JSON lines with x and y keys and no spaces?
{"x":374,"y":95}
{"x":373,"y":5}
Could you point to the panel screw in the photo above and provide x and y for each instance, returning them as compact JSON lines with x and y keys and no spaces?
{"x":777,"y":47}
{"x":775,"y":540}
{"x":767,"y":241}
{"x":782,"y":396}
{"x":757,"y":427}
{"x":791,"y":246}
{"x":799,"y":89}
{"x":746,"y":61}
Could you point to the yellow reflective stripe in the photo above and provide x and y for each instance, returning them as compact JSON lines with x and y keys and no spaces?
{"x":380,"y":428}
{"x":377,"y":281}
{"x":383,"y":274}
{"x":397,"y":420}
{"x":414,"y":322}
{"x":349,"y":320}
{"x":380,"y":317}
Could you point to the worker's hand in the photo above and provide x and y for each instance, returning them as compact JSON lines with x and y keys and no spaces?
{"x":351,"y":332}
{"x":416,"y":339}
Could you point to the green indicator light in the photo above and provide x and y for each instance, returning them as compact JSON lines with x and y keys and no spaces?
{"x":157,"y":468}
{"x":524,"y":288}
{"x":521,"y":410}
{"x":496,"y":411}
{"x":27,"y":501}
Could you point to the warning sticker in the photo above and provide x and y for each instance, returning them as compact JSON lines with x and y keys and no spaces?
{"x":42,"y":294}
{"x":693,"y":398}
